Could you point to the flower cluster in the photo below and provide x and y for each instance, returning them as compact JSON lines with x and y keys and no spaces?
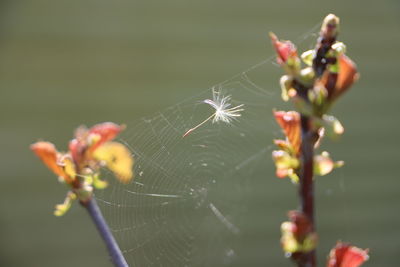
{"x":327,"y":75}
{"x":313,"y":94}
{"x":287,"y":158}
{"x":79,"y":168}
{"x":313,"y":82}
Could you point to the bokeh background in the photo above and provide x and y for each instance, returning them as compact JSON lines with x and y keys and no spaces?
{"x":64,"y":63}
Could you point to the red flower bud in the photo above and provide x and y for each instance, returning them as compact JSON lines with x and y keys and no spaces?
{"x":345,"y":255}
{"x":284,"y":49}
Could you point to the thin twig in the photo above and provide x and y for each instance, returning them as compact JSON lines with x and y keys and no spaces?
{"x":101,"y":225}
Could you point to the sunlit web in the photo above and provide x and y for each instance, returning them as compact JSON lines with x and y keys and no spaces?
{"x":191,"y":199}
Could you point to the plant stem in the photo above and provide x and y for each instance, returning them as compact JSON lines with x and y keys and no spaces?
{"x":306,"y":186}
{"x":101,"y":225}
{"x":309,"y":137}
{"x":306,"y":183}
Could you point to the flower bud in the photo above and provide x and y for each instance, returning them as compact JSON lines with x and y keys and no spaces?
{"x":323,"y":164}
{"x":345,"y":255}
{"x":297,"y":234}
{"x":330,"y":26}
{"x":286,"y":83}
{"x":339,"y":47}
{"x":307,"y":76}
{"x":287,"y":54}
{"x":308,"y":57}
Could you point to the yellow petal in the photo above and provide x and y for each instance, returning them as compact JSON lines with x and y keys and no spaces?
{"x":98,"y":183}
{"x":68,"y":167}
{"x":117,"y":158}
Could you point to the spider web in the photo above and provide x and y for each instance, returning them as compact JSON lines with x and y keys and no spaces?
{"x":192,"y":197}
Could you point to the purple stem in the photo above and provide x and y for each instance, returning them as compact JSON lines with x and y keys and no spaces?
{"x":101,"y":225}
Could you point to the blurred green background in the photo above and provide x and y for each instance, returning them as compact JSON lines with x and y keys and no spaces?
{"x":64,"y":63}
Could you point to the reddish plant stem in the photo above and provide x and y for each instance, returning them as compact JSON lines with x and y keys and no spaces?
{"x":306,"y":182}
{"x":306,"y":188}
{"x":306,"y":185}
{"x":308,"y":139}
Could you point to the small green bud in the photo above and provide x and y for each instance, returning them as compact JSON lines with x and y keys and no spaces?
{"x":308,"y":57}
{"x":323,"y":164}
{"x":293,"y":65}
{"x":286,"y":82}
{"x":333,"y":127}
{"x":293,"y":177}
{"x":310,"y":242}
{"x":318,"y":95}
{"x":307,"y":76}
{"x":338,"y":164}
{"x":339,"y":47}
{"x":61,"y":209}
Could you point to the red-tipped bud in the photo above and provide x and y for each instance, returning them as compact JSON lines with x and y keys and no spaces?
{"x":345,"y":255}
{"x":290,"y":123}
{"x":297,"y":234}
{"x":284,"y":49}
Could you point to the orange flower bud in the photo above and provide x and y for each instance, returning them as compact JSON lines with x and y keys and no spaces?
{"x":290,"y":123}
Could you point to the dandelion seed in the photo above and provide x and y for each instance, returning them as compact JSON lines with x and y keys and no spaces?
{"x":223,"y":110}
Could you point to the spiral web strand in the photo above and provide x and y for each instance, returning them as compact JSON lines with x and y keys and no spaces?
{"x":189,"y":202}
